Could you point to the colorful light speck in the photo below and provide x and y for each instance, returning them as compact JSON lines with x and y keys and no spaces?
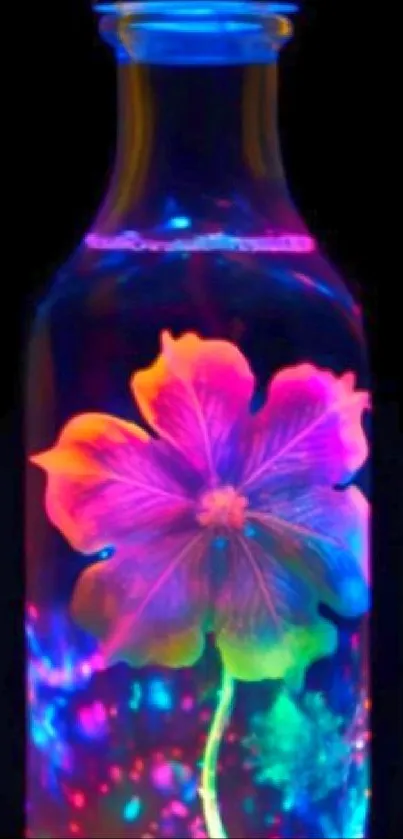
{"x":132,"y":810}
{"x":179,"y":809}
{"x":179,"y":223}
{"x":249,"y":531}
{"x":93,"y":721}
{"x":135,"y":696}
{"x":78,"y":800}
{"x":106,"y":553}
{"x":159,"y":695}
{"x":220,"y":542}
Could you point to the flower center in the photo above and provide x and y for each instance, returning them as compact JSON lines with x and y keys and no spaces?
{"x":222,"y":507}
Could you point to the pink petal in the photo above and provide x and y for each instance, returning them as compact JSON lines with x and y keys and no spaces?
{"x":310,"y":430}
{"x":193,"y":395}
{"x":266,"y":620}
{"x":321,"y":536}
{"x":108,"y":482}
{"x":149,"y":606}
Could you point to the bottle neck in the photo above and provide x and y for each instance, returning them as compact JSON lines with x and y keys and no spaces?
{"x":197,"y":147}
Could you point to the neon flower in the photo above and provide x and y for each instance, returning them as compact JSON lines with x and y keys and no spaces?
{"x":222,"y":521}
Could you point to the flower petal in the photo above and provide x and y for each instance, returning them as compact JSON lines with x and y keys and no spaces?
{"x":322,"y":536}
{"x":266,"y":620}
{"x":309,"y":430}
{"x":108,"y":481}
{"x":148,"y":607}
{"x":193,"y":394}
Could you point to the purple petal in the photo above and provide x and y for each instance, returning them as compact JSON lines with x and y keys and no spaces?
{"x":150,"y":606}
{"x":265,"y":617}
{"x":321,"y":536}
{"x":310,"y":431}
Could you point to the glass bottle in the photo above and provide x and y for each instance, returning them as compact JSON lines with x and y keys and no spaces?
{"x":197,"y":471}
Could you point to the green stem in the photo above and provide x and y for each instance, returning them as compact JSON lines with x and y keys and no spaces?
{"x":208,"y":785}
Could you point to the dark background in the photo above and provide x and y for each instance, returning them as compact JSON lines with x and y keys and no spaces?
{"x":332,"y":124}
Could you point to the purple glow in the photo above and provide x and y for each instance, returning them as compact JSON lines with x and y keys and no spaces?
{"x":93,"y":720}
{"x":66,"y":676}
{"x":132,"y":241}
{"x":179,"y":809}
{"x":162,"y":775}
{"x":69,"y":674}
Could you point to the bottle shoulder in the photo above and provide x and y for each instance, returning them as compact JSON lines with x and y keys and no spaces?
{"x":279,"y":309}
{"x":140,"y":275}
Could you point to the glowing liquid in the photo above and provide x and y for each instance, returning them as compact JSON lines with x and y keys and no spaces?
{"x":118,"y":752}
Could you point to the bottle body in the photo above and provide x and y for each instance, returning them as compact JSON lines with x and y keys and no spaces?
{"x":118,"y":746}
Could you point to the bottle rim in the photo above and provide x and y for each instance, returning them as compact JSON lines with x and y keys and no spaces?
{"x":195,"y":10}
{"x":196,"y":31}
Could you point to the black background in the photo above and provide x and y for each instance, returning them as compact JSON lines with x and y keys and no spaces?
{"x":332,"y":123}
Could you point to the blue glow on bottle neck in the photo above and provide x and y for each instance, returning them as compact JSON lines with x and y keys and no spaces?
{"x":192,"y":33}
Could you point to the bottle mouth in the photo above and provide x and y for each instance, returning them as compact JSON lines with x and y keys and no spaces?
{"x":192,"y":32}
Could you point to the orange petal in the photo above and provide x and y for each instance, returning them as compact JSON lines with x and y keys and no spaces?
{"x":106,"y":482}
